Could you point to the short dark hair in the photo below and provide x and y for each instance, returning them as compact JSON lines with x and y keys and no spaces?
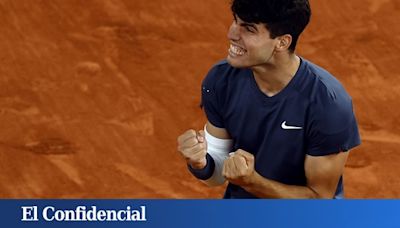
{"x":279,"y":16}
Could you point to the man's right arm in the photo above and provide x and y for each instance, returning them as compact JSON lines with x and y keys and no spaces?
{"x":205,"y":152}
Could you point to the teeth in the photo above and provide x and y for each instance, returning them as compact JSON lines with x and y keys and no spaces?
{"x":235,"y":50}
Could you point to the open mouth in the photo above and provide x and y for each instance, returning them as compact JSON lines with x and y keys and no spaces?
{"x":236,"y":51}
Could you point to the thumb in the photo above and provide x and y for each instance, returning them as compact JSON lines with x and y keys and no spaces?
{"x":201,"y":136}
{"x":246,"y":155}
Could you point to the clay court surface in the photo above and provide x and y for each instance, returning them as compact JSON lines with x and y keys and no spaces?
{"x":93,"y":94}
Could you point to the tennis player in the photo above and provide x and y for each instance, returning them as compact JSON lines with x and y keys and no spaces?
{"x":278,"y":125}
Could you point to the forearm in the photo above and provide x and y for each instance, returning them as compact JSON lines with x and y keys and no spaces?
{"x":266,"y":188}
{"x":217,"y":152}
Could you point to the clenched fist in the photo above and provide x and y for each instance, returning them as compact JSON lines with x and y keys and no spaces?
{"x":193,"y":147}
{"x":239,"y":168}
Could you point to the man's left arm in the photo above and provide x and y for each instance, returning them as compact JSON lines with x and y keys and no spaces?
{"x":322,"y":173}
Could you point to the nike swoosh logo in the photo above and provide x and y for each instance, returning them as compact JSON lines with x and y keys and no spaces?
{"x":286,"y":127}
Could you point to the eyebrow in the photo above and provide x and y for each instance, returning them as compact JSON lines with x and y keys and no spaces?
{"x":245,"y":24}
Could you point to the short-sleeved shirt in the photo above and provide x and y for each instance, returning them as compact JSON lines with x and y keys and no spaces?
{"x":313,"y":115}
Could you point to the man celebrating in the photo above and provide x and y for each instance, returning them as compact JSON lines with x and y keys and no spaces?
{"x":278,"y":125}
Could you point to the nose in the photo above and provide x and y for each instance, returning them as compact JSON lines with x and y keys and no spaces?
{"x":233,"y":32}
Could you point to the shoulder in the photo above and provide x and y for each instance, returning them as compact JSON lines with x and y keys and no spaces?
{"x":330,"y":104}
{"x":220,"y":74}
{"x":323,"y":88}
{"x":214,"y":92}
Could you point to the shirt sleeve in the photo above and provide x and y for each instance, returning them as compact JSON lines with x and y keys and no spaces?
{"x":332,"y":126}
{"x":210,"y":101}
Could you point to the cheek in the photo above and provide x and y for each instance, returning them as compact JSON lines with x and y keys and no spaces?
{"x":260,"y":53}
{"x":266,"y":52}
{"x":259,"y":46}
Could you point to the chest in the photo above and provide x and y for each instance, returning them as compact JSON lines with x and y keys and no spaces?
{"x":257,"y":126}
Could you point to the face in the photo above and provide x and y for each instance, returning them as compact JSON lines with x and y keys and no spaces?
{"x":250,"y":44}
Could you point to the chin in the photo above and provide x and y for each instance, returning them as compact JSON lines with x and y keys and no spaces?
{"x":235,"y":62}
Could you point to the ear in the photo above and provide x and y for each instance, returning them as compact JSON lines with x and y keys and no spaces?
{"x":284,"y":42}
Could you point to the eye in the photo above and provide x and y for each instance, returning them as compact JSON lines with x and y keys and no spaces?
{"x":250,"y":29}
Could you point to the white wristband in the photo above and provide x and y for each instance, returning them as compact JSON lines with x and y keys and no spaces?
{"x":219,"y":150}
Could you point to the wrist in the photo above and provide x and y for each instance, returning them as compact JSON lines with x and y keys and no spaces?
{"x":251,"y":180}
{"x":199,"y":164}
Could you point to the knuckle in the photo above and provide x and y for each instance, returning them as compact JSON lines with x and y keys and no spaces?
{"x":180,"y":137}
{"x":238,"y":151}
{"x":202,"y":133}
{"x":191,"y":132}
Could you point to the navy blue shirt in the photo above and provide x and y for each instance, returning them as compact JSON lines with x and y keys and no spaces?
{"x":312,"y":115}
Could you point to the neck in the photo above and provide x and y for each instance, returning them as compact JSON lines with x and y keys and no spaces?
{"x":272,"y":77}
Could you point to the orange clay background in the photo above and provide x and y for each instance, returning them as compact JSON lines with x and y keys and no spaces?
{"x":93,"y":94}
